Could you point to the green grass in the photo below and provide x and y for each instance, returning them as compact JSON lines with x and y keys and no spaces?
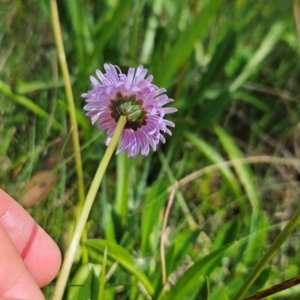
{"x":233,"y":70}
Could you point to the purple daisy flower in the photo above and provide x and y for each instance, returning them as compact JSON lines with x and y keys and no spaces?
{"x":134,"y":96}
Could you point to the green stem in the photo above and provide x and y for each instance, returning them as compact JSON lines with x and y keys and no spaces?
{"x":71,"y":251}
{"x":281,"y":238}
{"x":69,"y":96}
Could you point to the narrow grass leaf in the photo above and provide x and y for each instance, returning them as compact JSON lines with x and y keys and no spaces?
{"x":244,"y":96}
{"x":185,"y":44}
{"x":181,"y":245}
{"x":219,"y":293}
{"x":77,"y":20}
{"x":117,"y":253}
{"x":257,"y":241}
{"x":135,"y":30}
{"x":81,"y":283}
{"x":113,"y":25}
{"x":215,"y":157}
{"x":153,"y":203}
{"x":6,"y":138}
{"x":260,"y":281}
{"x":228,"y":233}
{"x":265,"y":48}
{"x":203,"y":290}
{"x":191,"y":280}
{"x":27,"y":103}
{"x":108,"y":223}
{"x":80,"y":117}
{"x":28,"y":87}
{"x":213,"y":109}
{"x":152,"y":24}
{"x":103,"y":274}
{"x":243,"y":171}
{"x":239,"y":252}
{"x":167,"y":169}
{"x":226,"y":292}
{"x":122,"y":187}
{"x":223,"y":52}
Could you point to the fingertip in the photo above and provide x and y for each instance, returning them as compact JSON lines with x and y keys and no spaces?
{"x":15,"y":279}
{"x":40,"y":253}
{"x":43,"y":252}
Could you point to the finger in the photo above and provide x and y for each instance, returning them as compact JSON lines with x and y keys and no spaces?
{"x":15,"y":279}
{"x":39,"y":252}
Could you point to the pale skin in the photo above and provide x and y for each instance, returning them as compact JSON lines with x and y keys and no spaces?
{"x":29,"y":258}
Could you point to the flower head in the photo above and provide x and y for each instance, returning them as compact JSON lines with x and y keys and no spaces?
{"x":132,"y":95}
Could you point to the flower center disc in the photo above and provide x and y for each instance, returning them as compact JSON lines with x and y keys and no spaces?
{"x":129,"y":107}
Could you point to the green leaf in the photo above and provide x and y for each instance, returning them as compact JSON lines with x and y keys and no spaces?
{"x":154,"y":201}
{"x":166,"y":168}
{"x":260,"y":281}
{"x":251,"y":99}
{"x":219,"y":293}
{"x":203,"y":290}
{"x":223,"y":52}
{"x":181,"y":245}
{"x":228,"y":233}
{"x":109,"y":225}
{"x":102,"y":277}
{"x":113,"y":25}
{"x":80,"y":117}
{"x":24,"y":87}
{"x":180,"y":52}
{"x":213,"y":109}
{"x":81,"y":283}
{"x":242,"y":170}
{"x":26,"y":102}
{"x":152,"y":25}
{"x":117,"y":253}
{"x":265,"y":48}
{"x":122,"y":187}
{"x":215,"y":157}
{"x":257,"y":239}
{"x":78,"y":21}
{"x":190,"y":282}
{"x":227,"y":292}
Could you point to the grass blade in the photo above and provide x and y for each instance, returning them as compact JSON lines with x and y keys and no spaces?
{"x":265,"y":48}
{"x":224,"y":51}
{"x":185,"y":44}
{"x":117,"y":253}
{"x":102,"y":277}
{"x":154,"y":201}
{"x":26,"y":102}
{"x":215,"y":157}
{"x":191,"y":280}
{"x":123,"y":173}
{"x":111,"y":27}
{"x":243,"y":171}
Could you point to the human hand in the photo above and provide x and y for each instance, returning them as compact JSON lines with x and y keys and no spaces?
{"x":29,"y":258}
